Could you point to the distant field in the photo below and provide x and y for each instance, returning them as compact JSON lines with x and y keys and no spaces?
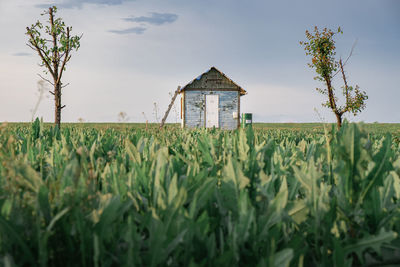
{"x":393,"y":128}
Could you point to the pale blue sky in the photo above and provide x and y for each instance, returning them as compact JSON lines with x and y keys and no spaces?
{"x":134,"y":53}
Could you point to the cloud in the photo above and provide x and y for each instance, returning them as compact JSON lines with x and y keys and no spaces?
{"x":22,"y":54}
{"x":136,"y":30}
{"x":79,"y":3}
{"x":155,"y":18}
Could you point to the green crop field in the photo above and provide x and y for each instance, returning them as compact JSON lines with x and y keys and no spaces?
{"x":123,"y":195}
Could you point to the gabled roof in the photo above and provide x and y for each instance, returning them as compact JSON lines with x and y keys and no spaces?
{"x":194,"y":84}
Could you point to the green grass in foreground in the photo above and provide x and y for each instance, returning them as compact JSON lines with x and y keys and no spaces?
{"x":120,"y":195}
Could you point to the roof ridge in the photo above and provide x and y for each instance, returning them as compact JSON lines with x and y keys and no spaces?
{"x":242,"y":91}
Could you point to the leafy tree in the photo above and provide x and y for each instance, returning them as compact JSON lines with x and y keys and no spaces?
{"x":54,"y":52}
{"x":321,"y":47}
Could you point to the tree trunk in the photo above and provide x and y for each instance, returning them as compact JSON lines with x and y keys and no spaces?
{"x":331,"y":95}
{"x":58,"y":107}
{"x":332,"y":102}
{"x":339,"y":121}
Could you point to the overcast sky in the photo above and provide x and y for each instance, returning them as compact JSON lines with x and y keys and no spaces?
{"x":134,"y":53}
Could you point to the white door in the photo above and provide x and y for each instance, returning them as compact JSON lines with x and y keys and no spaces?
{"x":212,"y":102}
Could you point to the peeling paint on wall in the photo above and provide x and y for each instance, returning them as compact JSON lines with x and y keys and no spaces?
{"x":195,"y":103}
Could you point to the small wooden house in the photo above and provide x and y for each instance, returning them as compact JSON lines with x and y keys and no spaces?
{"x":211,"y":100}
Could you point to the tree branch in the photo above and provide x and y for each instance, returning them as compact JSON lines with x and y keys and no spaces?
{"x":351,"y":52}
{"x":34,"y":43}
{"x":51,"y":92}
{"x":45,"y":79}
{"x":331,"y":95}
{"x":55,"y":50}
{"x":33,"y":48}
{"x":65,"y":57}
{"x":347,"y":59}
{"x":44,"y":53}
{"x":345,"y":85}
{"x":63,"y":106}
{"x":64,"y":85}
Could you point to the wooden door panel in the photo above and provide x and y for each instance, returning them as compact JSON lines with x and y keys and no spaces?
{"x":212,"y":111}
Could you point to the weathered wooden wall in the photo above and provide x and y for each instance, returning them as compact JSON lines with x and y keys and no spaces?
{"x":194,"y":103}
